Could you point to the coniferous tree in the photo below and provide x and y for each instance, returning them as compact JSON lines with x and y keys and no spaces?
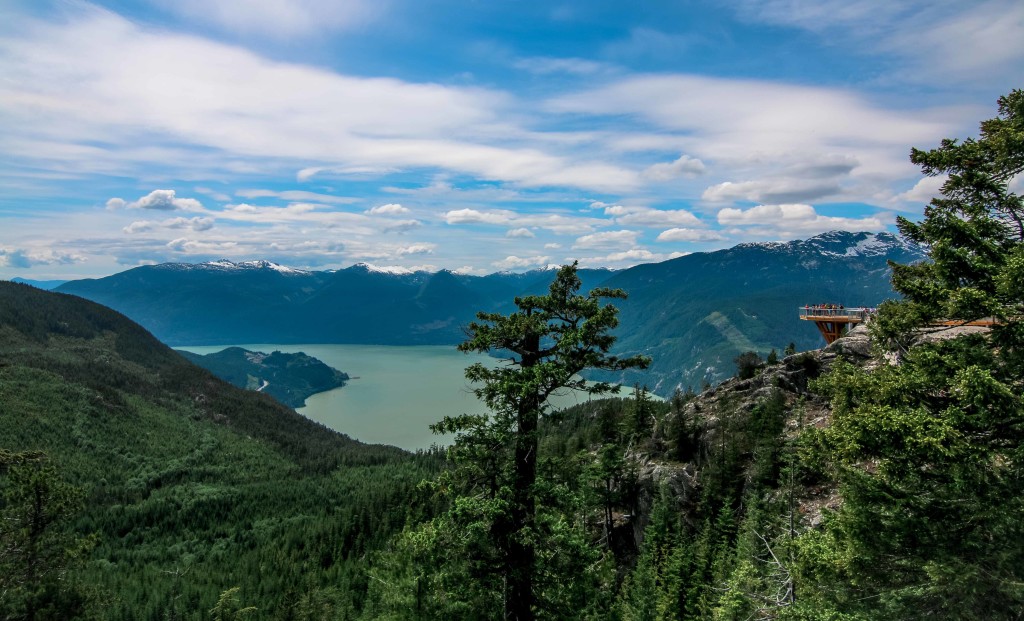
{"x":549,"y":340}
{"x":927,"y":451}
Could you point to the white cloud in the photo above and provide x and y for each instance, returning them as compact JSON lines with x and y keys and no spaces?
{"x":159,"y":200}
{"x":139,"y":226}
{"x":770,"y":190}
{"x":628,"y":258}
{"x":647,"y":216}
{"x":759,"y":128}
{"x":96,"y":77}
{"x":793,"y":219}
{"x":961,"y":41}
{"x":520,"y":233}
{"x":387,"y":210}
{"x":754,"y":116}
{"x":685,"y":166}
{"x":192,"y":246}
{"x":556,"y":223}
{"x":513,"y":262}
{"x":195,"y":224}
{"x":606,"y":239}
{"x":689,"y":235}
{"x":475,"y":216}
{"x":18,"y":258}
{"x":354,"y":171}
{"x":552,"y":246}
{"x":422,"y":248}
{"x":1016,"y":184}
{"x":297,"y":213}
{"x":924,"y":190}
{"x":401,"y":225}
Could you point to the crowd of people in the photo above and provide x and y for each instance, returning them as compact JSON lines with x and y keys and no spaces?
{"x":824,"y":309}
{"x":834,"y":309}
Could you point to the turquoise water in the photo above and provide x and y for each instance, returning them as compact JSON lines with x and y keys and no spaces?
{"x":396,"y":392}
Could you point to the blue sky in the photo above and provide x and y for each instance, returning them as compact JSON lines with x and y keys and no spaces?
{"x":474,"y":135}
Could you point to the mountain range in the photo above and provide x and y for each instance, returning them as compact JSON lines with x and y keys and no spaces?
{"x":693,"y":315}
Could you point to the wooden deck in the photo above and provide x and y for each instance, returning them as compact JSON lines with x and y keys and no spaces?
{"x":833,"y":322}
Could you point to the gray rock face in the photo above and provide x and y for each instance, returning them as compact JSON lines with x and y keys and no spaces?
{"x":855,"y":346}
{"x":945,"y":333}
{"x":736,"y":398}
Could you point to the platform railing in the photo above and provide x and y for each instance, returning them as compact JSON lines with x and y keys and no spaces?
{"x":827,"y":312}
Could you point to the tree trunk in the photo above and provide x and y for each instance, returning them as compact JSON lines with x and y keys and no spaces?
{"x":520,"y":553}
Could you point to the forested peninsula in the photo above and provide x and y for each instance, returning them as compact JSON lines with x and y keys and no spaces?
{"x":879,"y":478}
{"x":290,"y":378}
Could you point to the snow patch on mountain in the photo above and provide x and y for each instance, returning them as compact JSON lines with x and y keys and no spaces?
{"x":385,"y":269}
{"x":838,"y":244}
{"x":226,"y":265}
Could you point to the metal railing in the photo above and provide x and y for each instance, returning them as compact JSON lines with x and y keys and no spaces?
{"x":830,"y":311}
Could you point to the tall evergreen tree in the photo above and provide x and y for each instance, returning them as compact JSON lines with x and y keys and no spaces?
{"x":548,"y":340}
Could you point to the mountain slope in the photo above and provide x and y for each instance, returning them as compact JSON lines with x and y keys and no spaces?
{"x":192,"y":485}
{"x":693,"y":315}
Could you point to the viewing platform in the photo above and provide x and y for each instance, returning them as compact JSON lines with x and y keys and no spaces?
{"x":832,"y":320}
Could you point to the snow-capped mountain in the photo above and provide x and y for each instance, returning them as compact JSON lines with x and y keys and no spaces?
{"x":224,"y":265}
{"x":692,"y":314}
{"x":840,"y":244}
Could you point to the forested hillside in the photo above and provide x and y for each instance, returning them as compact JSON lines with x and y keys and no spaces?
{"x":162,"y":487}
{"x":693,"y":315}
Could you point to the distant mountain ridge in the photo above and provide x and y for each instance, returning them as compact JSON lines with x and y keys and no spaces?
{"x":692,"y":314}
{"x":46,"y":285}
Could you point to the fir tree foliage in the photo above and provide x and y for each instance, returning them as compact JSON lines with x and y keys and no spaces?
{"x":927,"y":450}
{"x":548,"y":341}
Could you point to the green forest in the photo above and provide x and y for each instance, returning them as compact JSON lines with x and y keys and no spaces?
{"x":839,"y":484}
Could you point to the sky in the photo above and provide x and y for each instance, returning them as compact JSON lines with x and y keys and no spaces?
{"x":474,"y":136}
